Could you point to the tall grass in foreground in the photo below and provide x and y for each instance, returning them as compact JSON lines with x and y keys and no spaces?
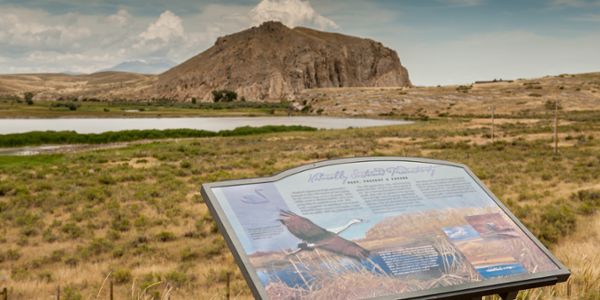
{"x":135,"y":212}
{"x":72,"y":137}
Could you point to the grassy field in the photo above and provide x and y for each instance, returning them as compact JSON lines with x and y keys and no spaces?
{"x":134,"y":215}
{"x":11,"y":108}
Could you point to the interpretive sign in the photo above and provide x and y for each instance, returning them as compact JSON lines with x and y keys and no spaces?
{"x":384,"y":227}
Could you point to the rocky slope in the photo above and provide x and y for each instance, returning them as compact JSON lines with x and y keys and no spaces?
{"x":274,"y":62}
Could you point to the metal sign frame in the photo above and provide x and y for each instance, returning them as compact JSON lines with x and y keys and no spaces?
{"x":507,"y":287}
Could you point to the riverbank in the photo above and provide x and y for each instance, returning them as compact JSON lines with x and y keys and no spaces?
{"x":10,"y":108}
{"x":71,"y":137}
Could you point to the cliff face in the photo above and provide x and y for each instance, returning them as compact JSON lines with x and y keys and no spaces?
{"x":274,"y":62}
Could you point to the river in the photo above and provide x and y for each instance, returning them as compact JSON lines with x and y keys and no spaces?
{"x":99,"y":125}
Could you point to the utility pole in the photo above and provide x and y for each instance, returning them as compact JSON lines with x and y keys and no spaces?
{"x":555,"y":127}
{"x":493,"y":109}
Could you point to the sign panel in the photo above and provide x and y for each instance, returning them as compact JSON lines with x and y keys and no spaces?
{"x":361,"y":228}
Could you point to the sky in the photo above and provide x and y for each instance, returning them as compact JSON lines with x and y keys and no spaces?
{"x":439,"y":41}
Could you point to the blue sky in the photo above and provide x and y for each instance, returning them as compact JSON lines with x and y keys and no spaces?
{"x":439,"y":41}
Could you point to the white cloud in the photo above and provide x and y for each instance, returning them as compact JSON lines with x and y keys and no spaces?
{"x":36,"y":40}
{"x":167,"y":27}
{"x":121,"y":18}
{"x":17,"y":31}
{"x":290,"y":12}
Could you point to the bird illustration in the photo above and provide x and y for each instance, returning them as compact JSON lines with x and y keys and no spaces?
{"x":314,"y":236}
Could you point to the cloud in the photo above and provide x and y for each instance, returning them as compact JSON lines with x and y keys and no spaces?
{"x":290,"y":12}
{"x":588,"y":18}
{"x":505,"y":54}
{"x":575,"y":3}
{"x":168,"y":27}
{"x":21,"y":32}
{"x":121,"y":18}
{"x":43,"y":39}
{"x":463,"y":2}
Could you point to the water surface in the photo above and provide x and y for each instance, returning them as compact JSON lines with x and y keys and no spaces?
{"x":99,"y":125}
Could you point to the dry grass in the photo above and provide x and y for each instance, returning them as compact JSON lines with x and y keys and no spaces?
{"x":577,"y":92}
{"x":74,"y":218}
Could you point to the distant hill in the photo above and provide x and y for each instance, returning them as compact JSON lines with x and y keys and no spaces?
{"x":272,"y":61}
{"x":144,"y":66}
{"x":108,"y":85}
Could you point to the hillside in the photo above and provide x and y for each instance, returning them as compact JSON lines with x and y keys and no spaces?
{"x":274,"y":62}
{"x":516,"y":98}
{"x":108,"y":85}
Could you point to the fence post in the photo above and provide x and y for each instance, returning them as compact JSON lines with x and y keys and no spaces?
{"x":111,"y":289}
{"x":228,"y":292}
{"x":58,"y":292}
{"x":5,"y":294}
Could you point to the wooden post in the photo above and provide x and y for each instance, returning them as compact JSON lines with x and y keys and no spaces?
{"x":510,"y":295}
{"x":58,"y":292}
{"x":493,"y":111}
{"x":555,"y":127}
{"x":111,"y":290}
{"x":5,"y":294}
{"x":227,"y":291}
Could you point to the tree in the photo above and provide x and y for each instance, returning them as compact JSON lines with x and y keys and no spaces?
{"x":230,"y":96}
{"x":194,"y":100}
{"x":28,"y":98}
{"x":224,"y":96}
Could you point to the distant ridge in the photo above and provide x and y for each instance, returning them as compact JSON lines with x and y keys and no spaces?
{"x":144,"y":66}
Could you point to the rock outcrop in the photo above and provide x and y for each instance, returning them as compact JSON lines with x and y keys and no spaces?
{"x":274,"y":62}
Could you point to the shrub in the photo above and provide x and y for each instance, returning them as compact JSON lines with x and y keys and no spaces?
{"x":589,"y":199}
{"x":212,"y":249}
{"x":121,"y":276}
{"x":70,"y":293}
{"x":10,"y":255}
{"x":28,"y":96}
{"x":224,"y":96}
{"x":556,"y":221}
{"x":120,"y":223}
{"x":98,"y":246}
{"x":72,"y":230}
{"x":464,"y":88}
{"x":550,"y":104}
{"x":176,"y":278}
{"x":69,"y":105}
{"x":166,"y":236}
{"x":187,"y":254}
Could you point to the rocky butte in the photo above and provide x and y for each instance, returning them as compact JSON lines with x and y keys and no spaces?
{"x":274,"y":62}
